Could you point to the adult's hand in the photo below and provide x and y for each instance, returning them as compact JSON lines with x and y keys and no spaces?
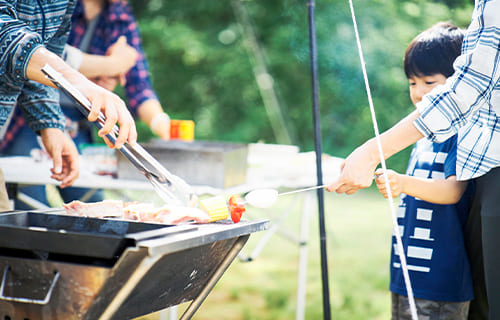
{"x":123,"y":56}
{"x":101,"y":99}
{"x":357,"y":171}
{"x":64,"y":156}
{"x":114,"y":110}
{"x":108,"y":83}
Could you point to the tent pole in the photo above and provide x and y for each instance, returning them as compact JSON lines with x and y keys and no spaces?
{"x":317,"y":146}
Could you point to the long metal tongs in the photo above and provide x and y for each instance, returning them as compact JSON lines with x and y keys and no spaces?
{"x":169,"y":187}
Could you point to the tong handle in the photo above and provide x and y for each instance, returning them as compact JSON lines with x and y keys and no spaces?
{"x":162,"y":179}
{"x":84,"y":106}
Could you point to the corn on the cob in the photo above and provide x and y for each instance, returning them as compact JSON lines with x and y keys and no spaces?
{"x":216,"y":208}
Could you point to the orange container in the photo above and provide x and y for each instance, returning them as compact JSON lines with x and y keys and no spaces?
{"x":174,"y":128}
{"x":182,"y":130}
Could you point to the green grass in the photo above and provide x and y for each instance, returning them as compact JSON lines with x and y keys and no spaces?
{"x":358,"y":244}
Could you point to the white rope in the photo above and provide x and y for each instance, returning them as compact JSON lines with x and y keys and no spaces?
{"x":395,"y":226}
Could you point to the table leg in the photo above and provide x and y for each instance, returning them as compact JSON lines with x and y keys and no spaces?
{"x":303,"y":254}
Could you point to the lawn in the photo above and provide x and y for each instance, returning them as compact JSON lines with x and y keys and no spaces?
{"x":358,"y":244}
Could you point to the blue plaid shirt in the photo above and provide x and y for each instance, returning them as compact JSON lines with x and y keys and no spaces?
{"x":469,"y":103}
{"x":25,"y":25}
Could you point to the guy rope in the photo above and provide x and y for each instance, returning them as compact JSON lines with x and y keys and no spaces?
{"x":395,"y":226}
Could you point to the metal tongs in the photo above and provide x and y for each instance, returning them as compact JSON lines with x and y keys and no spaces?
{"x":171,"y":188}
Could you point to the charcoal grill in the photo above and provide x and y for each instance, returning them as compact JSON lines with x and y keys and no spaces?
{"x":54,"y":266}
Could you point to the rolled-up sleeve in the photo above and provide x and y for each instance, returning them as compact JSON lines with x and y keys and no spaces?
{"x":447,"y":108}
{"x":17,"y":44}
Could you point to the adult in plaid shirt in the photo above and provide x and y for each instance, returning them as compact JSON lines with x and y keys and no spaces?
{"x":467,"y":105}
{"x":32,"y":34}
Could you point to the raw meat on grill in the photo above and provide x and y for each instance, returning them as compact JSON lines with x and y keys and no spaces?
{"x":106,"y":208}
{"x":143,"y":212}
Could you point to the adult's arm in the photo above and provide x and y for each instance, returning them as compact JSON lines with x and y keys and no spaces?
{"x":151,"y":112}
{"x":446,"y":108}
{"x":142,"y":99}
{"x":101,"y":99}
{"x":358,"y":168}
{"x":120,"y":58}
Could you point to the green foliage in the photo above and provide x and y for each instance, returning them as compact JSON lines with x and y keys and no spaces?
{"x":202,"y":70}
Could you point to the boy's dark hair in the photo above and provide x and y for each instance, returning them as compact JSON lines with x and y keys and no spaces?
{"x":433,"y":51}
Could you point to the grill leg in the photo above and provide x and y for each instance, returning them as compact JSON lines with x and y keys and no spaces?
{"x":232,"y":254}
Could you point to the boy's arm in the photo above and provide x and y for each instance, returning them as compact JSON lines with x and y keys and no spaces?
{"x":447,"y":191}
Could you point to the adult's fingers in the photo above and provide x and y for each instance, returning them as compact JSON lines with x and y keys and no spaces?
{"x":97,"y":104}
{"x":56,"y":154}
{"x":108,"y":142}
{"x":71,"y":174}
{"x":126,"y":124}
{"x":110,"y":113}
{"x":332,"y":187}
{"x":122,"y":79}
{"x":128,"y":121}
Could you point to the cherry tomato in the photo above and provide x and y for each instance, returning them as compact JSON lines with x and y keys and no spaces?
{"x":236,"y":208}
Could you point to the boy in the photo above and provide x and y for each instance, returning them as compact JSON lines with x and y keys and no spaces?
{"x":433,"y":209}
{"x":469,"y":104}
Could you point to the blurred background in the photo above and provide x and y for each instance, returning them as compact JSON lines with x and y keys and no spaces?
{"x":240,"y":69}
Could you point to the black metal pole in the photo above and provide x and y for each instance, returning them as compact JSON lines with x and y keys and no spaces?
{"x":317,"y":146}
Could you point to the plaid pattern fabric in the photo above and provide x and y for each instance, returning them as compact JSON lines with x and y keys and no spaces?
{"x":117,"y":20}
{"x":25,"y":25}
{"x":469,"y":102}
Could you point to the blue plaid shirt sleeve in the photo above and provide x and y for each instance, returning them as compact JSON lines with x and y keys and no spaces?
{"x":469,"y":102}
{"x":477,"y":72}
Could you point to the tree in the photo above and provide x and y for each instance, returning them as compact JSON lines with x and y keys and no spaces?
{"x":202,"y":70}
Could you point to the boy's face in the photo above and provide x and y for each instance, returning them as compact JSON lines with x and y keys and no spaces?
{"x":421,"y":85}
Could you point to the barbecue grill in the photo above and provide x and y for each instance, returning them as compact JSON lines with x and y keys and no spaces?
{"x":54,"y":266}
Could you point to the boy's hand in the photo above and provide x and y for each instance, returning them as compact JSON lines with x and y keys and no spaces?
{"x":64,"y":155}
{"x":395,"y":183}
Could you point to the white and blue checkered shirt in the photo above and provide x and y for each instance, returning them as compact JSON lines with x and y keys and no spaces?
{"x":469,"y":103}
